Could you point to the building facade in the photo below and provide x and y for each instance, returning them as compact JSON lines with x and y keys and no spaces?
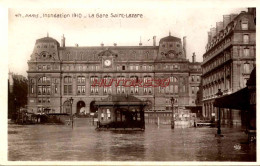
{"x":57,"y":72}
{"x":228,"y":61}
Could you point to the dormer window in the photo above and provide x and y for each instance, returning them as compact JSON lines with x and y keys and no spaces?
{"x":244,"y":25}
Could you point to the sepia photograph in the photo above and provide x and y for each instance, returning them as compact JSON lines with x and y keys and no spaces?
{"x":151,"y":84}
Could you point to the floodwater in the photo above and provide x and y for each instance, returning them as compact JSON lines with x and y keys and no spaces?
{"x":84,"y":143}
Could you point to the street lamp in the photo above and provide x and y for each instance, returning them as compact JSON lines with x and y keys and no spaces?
{"x":219,"y":114}
{"x":172,"y":121}
{"x":71,"y":102}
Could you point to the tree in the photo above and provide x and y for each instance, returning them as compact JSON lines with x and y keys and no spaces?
{"x":17,"y":98}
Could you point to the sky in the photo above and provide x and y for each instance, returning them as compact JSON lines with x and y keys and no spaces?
{"x":192,"y":22}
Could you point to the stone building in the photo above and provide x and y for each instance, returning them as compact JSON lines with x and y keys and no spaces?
{"x":57,"y":72}
{"x":228,"y":61}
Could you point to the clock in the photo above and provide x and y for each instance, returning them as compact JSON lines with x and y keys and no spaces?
{"x":107,"y":62}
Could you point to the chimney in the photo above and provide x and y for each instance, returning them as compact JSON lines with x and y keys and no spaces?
{"x":193,"y":58}
{"x":209,"y":37}
{"x":213,"y":32}
{"x":63,"y":41}
{"x":154,"y":40}
{"x":76,"y":45}
{"x":226,"y":20}
{"x":115,"y":44}
{"x":252,"y":10}
{"x":184,"y":46}
{"x":102,"y":44}
{"x":219,"y":26}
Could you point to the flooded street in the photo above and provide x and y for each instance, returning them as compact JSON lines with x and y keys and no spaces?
{"x":84,"y":143}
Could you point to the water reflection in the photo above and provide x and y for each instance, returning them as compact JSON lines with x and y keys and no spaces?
{"x":84,"y":143}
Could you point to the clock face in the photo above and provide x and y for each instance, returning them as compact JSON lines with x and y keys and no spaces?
{"x":107,"y":62}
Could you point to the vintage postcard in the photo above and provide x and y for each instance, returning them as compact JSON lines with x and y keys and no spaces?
{"x":162,"y":82}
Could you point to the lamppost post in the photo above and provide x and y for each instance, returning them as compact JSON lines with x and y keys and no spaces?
{"x":71,"y":116}
{"x":172,"y":121}
{"x":219,"y":114}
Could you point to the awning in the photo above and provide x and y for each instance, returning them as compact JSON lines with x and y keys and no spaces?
{"x":238,"y":100}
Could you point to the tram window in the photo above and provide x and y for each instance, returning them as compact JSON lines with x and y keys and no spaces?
{"x":138,"y":117}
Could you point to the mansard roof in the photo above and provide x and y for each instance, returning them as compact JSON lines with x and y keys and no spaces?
{"x":170,"y":39}
{"x":46,"y":40}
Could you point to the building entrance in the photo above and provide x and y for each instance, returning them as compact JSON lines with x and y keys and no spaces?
{"x":81,"y":107}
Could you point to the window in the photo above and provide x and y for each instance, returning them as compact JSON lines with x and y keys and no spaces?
{"x":92,"y":89}
{"x":171,"y":79}
{"x":246,"y":68}
{"x":171,"y":88}
{"x":109,"y":89}
{"x":145,"y":90}
{"x":132,"y":90}
{"x":183,"y":88}
{"x":48,"y":89}
{"x":96,"y":89}
{"x":48,"y":67}
{"x":193,"y":90}
{"x":32,"y":90}
{"x":198,"y":78}
{"x":245,"y":81}
{"x":175,"y":79}
{"x":81,"y":89}
{"x":67,"y":79}
{"x":244,"y":25}
{"x":80,"y":68}
{"x":56,"y":89}
{"x":246,"y":38}
{"x":67,"y":89}
{"x":131,"y":67}
{"x":123,"y":89}
{"x":161,"y":89}
{"x":192,"y":78}
{"x":136,"y":89}
{"x":123,"y":67}
{"x":144,"y":67}
{"x":167,"y":89}
{"x":39,"y":67}
{"x":163,"y":45}
{"x":170,"y":45}
{"x":246,"y":51}
{"x":97,"y":67}
{"x":150,"y":90}
{"x":136,"y":67}
{"x":108,"y":114}
{"x":118,"y":89}
{"x":81,"y":79}
{"x":197,"y":89}
{"x":176,"y":89}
